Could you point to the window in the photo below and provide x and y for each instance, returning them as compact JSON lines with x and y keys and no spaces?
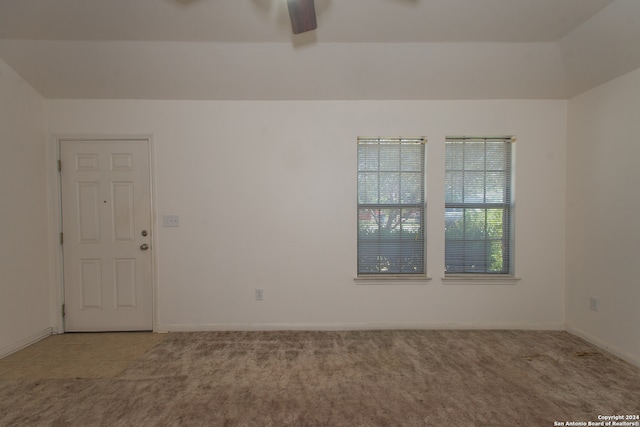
{"x":391,"y":180}
{"x":478,"y":209}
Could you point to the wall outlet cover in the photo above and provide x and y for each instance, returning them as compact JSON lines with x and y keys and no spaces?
{"x":171,"y":221}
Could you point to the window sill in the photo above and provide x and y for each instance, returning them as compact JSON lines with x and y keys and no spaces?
{"x":479,"y":279}
{"x":391,"y":280}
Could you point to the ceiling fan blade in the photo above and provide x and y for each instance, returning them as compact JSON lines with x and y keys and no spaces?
{"x":303,"y":15}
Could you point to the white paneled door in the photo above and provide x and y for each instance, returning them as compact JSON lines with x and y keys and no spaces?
{"x":106,"y":223}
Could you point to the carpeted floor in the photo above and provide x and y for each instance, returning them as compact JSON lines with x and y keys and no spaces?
{"x":303,"y":378}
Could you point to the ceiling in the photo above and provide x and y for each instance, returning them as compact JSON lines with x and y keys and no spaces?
{"x":362,"y":49}
{"x":396,"y":21}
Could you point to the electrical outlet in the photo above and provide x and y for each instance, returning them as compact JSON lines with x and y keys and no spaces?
{"x":594,"y":304}
{"x":171,"y":221}
{"x":259,"y":294}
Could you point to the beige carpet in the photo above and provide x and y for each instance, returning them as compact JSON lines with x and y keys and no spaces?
{"x":362,"y":378}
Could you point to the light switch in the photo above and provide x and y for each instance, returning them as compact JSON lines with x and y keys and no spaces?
{"x":171,"y":221}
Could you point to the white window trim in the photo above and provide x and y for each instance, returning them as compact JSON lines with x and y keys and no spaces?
{"x":395,"y":279}
{"x":480,"y":279}
{"x":488,"y":278}
{"x":392,"y":280}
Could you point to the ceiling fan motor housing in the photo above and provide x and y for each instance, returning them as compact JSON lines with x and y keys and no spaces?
{"x":303,"y":15}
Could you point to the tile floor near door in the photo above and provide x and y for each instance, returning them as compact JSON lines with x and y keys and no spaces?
{"x":78,"y":355}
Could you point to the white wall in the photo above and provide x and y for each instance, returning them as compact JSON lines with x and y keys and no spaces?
{"x":603,"y":225}
{"x":24,"y":234}
{"x":280,"y":71}
{"x":602,"y":48}
{"x":266,"y":193}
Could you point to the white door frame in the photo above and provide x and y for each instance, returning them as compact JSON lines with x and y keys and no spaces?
{"x":55,"y":202}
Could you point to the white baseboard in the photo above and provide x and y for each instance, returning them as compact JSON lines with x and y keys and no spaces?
{"x":24,"y":342}
{"x":199,"y":327}
{"x":622,"y":354}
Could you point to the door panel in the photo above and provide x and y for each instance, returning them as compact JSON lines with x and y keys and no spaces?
{"x":106,"y":205}
{"x":91,"y":283}
{"x":88,"y":206}
{"x":125,"y":274}
{"x":123,"y":213}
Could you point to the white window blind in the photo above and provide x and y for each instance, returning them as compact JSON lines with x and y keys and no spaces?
{"x":478,"y":206}
{"x":391,"y":181}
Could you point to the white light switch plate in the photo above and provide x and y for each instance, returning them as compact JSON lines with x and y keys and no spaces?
{"x":171,"y":221}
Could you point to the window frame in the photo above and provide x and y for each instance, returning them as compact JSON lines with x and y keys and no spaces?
{"x":364,"y":277}
{"x":507,"y":275}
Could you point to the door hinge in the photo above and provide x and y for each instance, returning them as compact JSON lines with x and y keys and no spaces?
{"x":59,"y":165}
{"x":64,"y":313}
{"x":61,"y":238}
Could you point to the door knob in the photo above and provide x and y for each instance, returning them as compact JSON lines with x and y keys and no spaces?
{"x":144,"y":247}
